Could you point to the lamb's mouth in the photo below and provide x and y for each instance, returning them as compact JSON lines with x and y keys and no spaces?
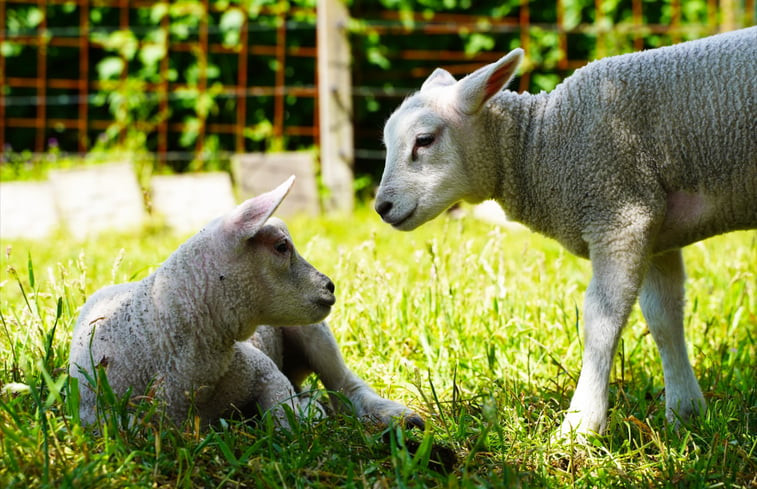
{"x":326,"y":300}
{"x":402,"y":220}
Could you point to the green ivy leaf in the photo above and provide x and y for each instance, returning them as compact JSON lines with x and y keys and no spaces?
{"x":9,"y":49}
{"x":110,"y":68}
{"x":191,"y":131}
{"x":478,"y":42}
{"x":34,"y":17}
{"x":158,"y":11}
{"x":151,"y":54}
{"x":259,"y":131}
{"x":230,"y":25}
{"x":123,"y":42}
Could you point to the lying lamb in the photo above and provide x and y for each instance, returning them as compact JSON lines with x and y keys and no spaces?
{"x":625,"y":162}
{"x":188,"y":331}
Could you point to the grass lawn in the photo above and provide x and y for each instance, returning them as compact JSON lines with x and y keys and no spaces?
{"x":474,"y":326}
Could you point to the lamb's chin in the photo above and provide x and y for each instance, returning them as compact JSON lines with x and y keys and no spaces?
{"x":417,"y":218}
{"x":319,"y":310}
{"x":407,"y":225}
{"x":322,"y":314}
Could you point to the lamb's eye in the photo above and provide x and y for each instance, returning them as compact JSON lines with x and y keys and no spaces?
{"x":282,"y":247}
{"x":423,"y":140}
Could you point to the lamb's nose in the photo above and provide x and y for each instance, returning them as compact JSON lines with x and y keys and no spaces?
{"x":383,"y":207}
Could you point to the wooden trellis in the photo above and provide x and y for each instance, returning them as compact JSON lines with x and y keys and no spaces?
{"x":79,"y":89}
{"x":30,"y":99}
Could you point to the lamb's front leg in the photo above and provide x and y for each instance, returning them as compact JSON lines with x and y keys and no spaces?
{"x":662,"y":300}
{"x":314,"y":348}
{"x":609,"y":298}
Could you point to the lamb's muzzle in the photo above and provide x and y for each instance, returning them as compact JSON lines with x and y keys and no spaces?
{"x":327,"y":298}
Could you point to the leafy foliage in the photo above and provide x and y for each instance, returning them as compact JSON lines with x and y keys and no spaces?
{"x":160,"y":44}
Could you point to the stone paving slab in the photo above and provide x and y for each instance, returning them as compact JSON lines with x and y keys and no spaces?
{"x":188,"y":202}
{"x":27,"y":210}
{"x":98,"y":198}
{"x":256,"y":173}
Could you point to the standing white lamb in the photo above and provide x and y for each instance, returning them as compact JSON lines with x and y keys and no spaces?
{"x":625,"y":162}
{"x":186,"y":331}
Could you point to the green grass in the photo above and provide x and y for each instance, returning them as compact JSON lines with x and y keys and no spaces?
{"x":474,"y":326}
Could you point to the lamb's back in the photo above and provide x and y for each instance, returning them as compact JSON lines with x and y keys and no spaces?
{"x":110,"y":333}
{"x":688,"y":111}
{"x":649,"y":130}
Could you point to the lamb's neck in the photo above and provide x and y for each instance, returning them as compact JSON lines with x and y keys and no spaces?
{"x":515,"y":118}
{"x":184,"y":297}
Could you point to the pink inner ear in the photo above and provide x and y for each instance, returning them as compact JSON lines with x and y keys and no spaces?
{"x":255,"y":216}
{"x":253,"y":213}
{"x":263,"y":205}
{"x":499,"y":77}
{"x":258,"y":210}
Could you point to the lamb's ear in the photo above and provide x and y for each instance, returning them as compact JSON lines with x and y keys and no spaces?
{"x":245,"y":221}
{"x":439,"y":78}
{"x":478,"y":87}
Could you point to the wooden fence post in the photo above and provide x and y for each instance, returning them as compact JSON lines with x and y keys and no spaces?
{"x":728,"y":12}
{"x":335,"y":104}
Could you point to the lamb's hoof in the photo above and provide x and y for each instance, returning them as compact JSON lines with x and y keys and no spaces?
{"x":567,"y":437}
{"x":679,"y":414}
{"x":406,"y":419}
{"x":576,"y":430}
{"x":389,"y":413}
{"x":414,"y":421}
{"x":310,"y":407}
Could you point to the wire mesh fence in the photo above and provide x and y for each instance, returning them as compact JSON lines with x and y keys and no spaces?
{"x":181,"y":78}
{"x":188,"y":80}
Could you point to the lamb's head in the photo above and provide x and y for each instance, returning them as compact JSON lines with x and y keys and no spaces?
{"x":429,"y":140}
{"x":259,"y":271}
{"x":289,"y":290}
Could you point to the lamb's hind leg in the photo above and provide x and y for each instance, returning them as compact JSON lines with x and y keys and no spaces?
{"x":252,"y":380}
{"x":313,"y":348}
{"x":270,"y":340}
{"x":662,"y":300}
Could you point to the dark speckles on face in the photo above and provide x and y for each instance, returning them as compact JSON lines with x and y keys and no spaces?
{"x":221,"y":278}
